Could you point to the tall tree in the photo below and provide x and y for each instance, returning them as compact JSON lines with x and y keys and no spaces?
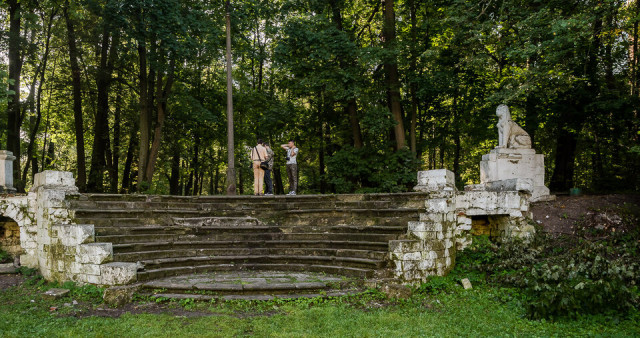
{"x":77,"y":97}
{"x":391,"y":70}
{"x":15,"y":71}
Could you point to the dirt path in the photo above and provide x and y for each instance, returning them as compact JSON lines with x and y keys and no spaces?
{"x":561,"y":215}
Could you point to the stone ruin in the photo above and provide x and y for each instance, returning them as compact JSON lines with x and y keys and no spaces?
{"x":513,"y":164}
{"x":113,"y":240}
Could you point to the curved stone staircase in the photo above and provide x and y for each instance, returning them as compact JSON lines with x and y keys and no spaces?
{"x":344,"y":235}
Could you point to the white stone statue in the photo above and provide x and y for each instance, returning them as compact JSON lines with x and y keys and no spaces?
{"x":510,"y":134}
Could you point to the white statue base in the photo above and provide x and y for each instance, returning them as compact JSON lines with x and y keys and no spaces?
{"x":523,"y":164}
{"x":6,"y":172}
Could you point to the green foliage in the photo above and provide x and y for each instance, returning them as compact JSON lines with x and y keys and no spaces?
{"x":5,"y":256}
{"x":300,"y":66}
{"x":88,"y":292}
{"x":565,"y":276}
{"x":439,"y":284}
{"x":588,"y":283}
{"x":28,"y":272}
{"x":370,"y":170}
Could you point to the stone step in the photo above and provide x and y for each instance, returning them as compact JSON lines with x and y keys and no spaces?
{"x":251,"y":199}
{"x":322,"y":212}
{"x":282,"y":220}
{"x":204,"y":230}
{"x":256,"y":297}
{"x":233,"y":251}
{"x":267,"y":205}
{"x":146,"y":275}
{"x":262,"y":236}
{"x":176,"y":230}
{"x":364,"y":263}
{"x":236,"y":288}
{"x":209,"y":244}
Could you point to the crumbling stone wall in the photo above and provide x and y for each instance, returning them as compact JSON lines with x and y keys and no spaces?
{"x":17,"y":208}
{"x":445,"y":227}
{"x":52,"y":243}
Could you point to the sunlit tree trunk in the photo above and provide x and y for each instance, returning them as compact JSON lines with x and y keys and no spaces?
{"x":77,"y":100}
{"x":15,"y":70}
{"x":391,"y":69}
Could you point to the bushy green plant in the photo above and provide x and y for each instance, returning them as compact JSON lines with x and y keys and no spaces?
{"x":372,"y":170}
{"x":582,"y":282}
{"x":438,"y":284}
{"x":4,"y":256}
{"x":566,"y":275}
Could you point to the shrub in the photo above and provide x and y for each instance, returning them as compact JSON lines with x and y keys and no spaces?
{"x":372,"y":170}
{"x":564,"y":276}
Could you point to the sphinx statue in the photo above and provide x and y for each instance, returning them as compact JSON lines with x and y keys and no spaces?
{"x":510,"y":134}
{"x":513,"y":164}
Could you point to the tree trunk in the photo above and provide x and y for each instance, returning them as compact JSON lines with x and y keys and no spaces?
{"x":126,"y":174}
{"x":174,"y":180}
{"x":145,"y":115}
{"x":391,"y":69}
{"x":562,"y":178}
{"x":15,"y":70}
{"x":50,"y":155}
{"x":413,"y":86}
{"x":352,"y":108}
{"x":77,"y":100}
{"x":231,"y":166}
{"x":352,"y":105}
{"x":101,"y":148}
{"x":31,"y":157}
{"x":456,"y":138}
{"x":115,"y":162}
{"x":161,"y":105}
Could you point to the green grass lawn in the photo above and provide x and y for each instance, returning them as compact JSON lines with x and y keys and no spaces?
{"x":483,"y":311}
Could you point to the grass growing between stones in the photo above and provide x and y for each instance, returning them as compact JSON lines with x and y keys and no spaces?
{"x":442,"y":310}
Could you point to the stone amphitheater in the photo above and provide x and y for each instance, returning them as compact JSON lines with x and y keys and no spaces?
{"x":240,"y":247}
{"x":252,"y":247}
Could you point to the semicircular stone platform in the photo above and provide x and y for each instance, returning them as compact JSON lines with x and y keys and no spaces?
{"x":167,"y":235}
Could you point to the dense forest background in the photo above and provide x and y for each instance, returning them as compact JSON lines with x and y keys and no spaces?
{"x":130,"y":95}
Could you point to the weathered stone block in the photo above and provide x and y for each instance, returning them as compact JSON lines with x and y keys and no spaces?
{"x":118,"y":273}
{"x":437,"y":205}
{"x":76,"y":234}
{"x":412,"y":256}
{"x":511,"y":184}
{"x":466,"y":284}
{"x":118,"y":296}
{"x":55,"y":293}
{"x":435,"y":180}
{"x":6,"y":171}
{"x":405,"y":245}
{"x":424,"y":226}
{"x":51,"y":179}
{"x":90,"y":269}
{"x":431,"y":217}
{"x":95,"y":253}
{"x":93,"y":279}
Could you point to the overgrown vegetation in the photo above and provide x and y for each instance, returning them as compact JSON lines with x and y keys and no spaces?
{"x":5,"y":257}
{"x":595,"y":270}
{"x":438,"y":308}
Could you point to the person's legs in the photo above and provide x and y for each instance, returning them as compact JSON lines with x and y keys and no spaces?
{"x":268,"y":181}
{"x":294,"y":177}
{"x":256,"y":178}
{"x":290,"y":176}
{"x":260,"y":180}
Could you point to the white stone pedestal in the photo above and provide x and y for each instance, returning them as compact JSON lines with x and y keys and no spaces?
{"x":6,"y":171}
{"x":507,"y":163}
{"x":436,"y":180}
